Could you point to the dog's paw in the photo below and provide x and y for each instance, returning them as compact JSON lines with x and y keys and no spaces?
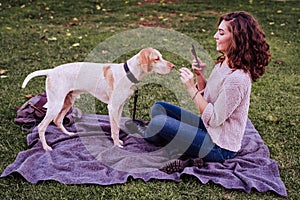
{"x":70,"y":133}
{"x":119,"y":143}
{"x":47,"y":148}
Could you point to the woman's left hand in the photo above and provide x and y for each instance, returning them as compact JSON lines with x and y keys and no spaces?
{"x":187,"y":78}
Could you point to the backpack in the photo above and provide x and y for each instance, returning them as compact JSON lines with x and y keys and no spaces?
{"x":32,"y":112}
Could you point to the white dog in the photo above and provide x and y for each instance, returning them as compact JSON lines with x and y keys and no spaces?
{"x":112,"y":84}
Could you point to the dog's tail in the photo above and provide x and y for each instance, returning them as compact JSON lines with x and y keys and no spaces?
{"x":34,"y":74}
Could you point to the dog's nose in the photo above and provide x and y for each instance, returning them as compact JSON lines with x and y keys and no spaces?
{"x":171,"y":65}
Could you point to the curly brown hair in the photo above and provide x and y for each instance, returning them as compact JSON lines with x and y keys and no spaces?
{"x":249,"y":50}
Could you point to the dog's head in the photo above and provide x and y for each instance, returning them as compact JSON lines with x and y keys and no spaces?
{"x":152,"y":62}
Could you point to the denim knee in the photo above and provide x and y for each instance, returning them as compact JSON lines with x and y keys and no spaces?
{"x":157,"y":109}
{"x":156,"y":124}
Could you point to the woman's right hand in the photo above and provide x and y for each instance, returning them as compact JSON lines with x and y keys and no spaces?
{"x":199,"y":71}
{"x":196,"y":68}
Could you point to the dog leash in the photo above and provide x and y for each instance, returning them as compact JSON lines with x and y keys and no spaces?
{"x":136,"y":95}
{"x":134,"y":125}
{"x":132,"y":78}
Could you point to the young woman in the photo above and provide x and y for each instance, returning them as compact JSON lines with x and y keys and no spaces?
{"x":222,"y":100}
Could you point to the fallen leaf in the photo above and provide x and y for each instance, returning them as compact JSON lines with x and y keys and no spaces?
{"x":28,"y":96}
{"x":272,"y":118}
{"x":2,"y":71}
{"x":280,"y":62}
{"x":52,"y":38}
{"x":98,"y":7}
{"x":293,"y":123}
{"x":71,"y":24}
{"x":227,"y":196}
{"x":76,"y":45}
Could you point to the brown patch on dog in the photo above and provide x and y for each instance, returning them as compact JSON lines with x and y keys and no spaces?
{"x":146,"y":58}
{"x":68,"y":103}
{"x":108,"y":75}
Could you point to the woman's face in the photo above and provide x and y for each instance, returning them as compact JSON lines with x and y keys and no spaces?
{"x":223,"y":37}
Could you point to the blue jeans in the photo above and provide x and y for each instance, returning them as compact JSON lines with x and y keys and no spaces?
{"x":182,"y":132}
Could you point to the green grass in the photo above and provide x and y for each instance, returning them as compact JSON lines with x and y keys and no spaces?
{"x":34,"y":35}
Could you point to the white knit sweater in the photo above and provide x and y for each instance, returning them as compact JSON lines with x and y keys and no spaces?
{"x":228,"y":95}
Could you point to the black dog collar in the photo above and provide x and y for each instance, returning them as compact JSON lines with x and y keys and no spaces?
{"x":129,"y":75}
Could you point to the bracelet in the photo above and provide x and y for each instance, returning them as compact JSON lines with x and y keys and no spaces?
{"x":195,"y":94}
{"x":201,"y":91}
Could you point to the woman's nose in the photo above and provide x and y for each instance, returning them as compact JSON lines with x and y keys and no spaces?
{"x":216,"y":36}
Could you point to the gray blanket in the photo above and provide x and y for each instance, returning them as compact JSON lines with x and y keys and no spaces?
{"x":90,"y":158}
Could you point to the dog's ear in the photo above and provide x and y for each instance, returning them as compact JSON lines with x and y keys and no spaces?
{"x":147,"y":57}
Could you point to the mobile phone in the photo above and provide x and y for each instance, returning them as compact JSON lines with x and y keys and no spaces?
{"x":195,"y":55}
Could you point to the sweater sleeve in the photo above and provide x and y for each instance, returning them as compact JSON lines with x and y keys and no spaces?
{"x":233,"y":90}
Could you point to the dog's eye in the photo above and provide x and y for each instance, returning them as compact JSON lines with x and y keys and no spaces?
{"x":156,"y":59}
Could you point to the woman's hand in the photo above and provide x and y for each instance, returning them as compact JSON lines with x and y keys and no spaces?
{"x":198,"y":70}
{"x":187,"y":78}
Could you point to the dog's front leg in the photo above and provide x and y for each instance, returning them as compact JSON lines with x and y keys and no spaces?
{"x":114,"y":118}
{"x":115,"y":108}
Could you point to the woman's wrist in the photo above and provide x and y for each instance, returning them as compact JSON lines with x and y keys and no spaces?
{"x":193,"y":91}
{"x":200,"y":82}
{"x":196,"y":93}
